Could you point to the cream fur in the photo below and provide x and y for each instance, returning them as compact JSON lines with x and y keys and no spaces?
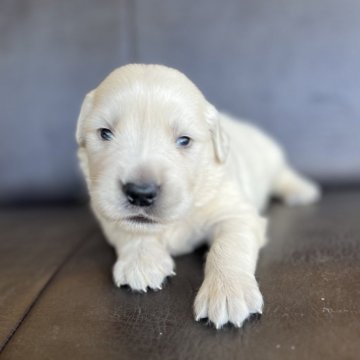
{"x":214,"y":190}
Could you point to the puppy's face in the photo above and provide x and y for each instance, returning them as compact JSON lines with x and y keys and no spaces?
{"x":147,"y":138}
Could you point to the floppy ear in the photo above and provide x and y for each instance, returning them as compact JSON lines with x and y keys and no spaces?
{"x":219,"y":137}
{"x":84,"y":112}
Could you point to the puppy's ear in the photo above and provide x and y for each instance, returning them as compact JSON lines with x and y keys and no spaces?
{"x":84,"y":112}
{"x":219,"y":137}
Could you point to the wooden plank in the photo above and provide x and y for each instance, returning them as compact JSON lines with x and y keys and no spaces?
{"x":309,"y":275}
{"x":34,"y":243}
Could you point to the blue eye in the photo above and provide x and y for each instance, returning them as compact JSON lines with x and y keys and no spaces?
{"x":106,"y":134}
{"x":183,"y":141}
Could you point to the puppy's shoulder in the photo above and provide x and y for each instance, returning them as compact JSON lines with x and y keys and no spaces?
{"x":245,"y":135}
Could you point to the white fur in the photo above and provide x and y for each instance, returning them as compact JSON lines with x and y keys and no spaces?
{"x":214,"y":190}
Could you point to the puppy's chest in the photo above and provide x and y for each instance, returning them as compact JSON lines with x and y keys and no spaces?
{"x":185,"y":236}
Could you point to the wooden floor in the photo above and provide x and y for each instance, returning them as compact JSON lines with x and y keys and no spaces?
{"x":57,"y":300}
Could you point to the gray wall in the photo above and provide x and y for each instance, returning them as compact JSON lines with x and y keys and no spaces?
{"x":290,"y":66}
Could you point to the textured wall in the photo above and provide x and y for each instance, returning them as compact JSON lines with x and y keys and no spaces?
{"x":291,"y":66}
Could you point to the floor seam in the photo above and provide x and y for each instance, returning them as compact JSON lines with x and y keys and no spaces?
{"x":67,"y":258}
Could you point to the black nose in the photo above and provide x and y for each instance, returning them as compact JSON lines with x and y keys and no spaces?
{"x":141,"y":194}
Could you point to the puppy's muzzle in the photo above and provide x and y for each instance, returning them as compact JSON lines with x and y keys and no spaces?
{"x":141,"y":194}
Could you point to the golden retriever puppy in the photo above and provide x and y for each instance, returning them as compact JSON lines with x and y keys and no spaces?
{"x":166,"y":171}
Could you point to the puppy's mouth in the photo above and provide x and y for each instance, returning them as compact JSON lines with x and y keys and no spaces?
{"x":141,"y":219}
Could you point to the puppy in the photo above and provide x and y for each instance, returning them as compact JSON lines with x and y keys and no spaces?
{"x":166,"y":171}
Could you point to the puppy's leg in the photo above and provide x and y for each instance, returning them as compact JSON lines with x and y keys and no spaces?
{"x":230,"y":292}
{"x":142,"y":263}
{"x":294,"y":189}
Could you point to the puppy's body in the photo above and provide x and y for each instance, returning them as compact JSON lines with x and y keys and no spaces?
{"x":212,"y":189}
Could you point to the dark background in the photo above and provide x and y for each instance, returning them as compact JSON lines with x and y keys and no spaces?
{"x":290,"y":66}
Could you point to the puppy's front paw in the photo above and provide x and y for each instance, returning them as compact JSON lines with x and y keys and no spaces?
{"x":143,"y":269}
{"x":224,"y":300}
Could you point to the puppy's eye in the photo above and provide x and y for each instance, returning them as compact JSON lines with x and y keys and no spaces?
{"x":106,"y":134}
{"x":183,"y":141}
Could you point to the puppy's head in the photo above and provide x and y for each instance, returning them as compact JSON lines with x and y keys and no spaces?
{"x":149,"y":145}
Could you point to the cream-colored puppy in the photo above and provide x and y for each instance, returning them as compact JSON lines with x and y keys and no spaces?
{"x":166,"y":171}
